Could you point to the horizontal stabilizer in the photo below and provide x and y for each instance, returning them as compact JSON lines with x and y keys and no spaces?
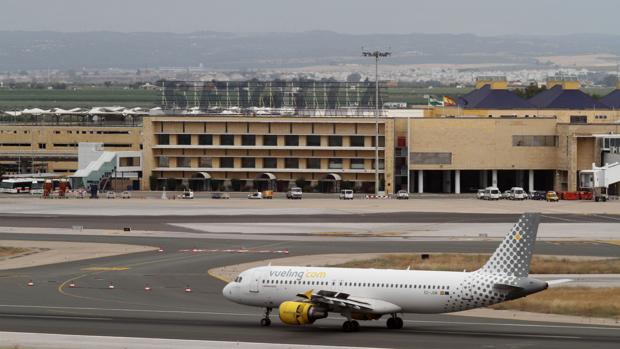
{"x":506,"y":287}
{"x":558,"y":281}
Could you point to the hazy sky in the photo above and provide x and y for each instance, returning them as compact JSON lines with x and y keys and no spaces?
{"x":486,"y":17}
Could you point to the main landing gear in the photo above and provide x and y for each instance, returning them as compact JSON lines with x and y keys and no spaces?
{"x":350,"y":326}
{"x":266,"y":321}
{"x":394,"y":323}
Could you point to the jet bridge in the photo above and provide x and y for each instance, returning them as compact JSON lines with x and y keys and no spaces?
{"x":598,"y":179}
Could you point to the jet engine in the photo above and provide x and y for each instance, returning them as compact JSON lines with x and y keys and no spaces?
{"x":300,"y":313}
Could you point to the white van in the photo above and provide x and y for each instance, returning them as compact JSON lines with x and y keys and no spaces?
{"x":492,"y":193}
{"x":517,"y":193}
{"x":346,"y":194}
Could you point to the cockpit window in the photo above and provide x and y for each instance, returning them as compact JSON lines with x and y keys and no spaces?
{"x":238,"y":279}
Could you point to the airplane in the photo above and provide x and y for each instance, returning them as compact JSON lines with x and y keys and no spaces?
{"x":306,"y":294}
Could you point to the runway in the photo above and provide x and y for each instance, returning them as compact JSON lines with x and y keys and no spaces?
{"x":91,"y":308}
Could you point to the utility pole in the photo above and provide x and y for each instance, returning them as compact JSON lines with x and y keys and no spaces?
{"x":376,"y":55}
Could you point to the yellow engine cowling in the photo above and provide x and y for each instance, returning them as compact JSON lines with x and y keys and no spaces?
{"x":300,"y":313}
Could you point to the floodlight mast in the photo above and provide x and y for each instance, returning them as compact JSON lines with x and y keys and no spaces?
{"x":376,"y":55}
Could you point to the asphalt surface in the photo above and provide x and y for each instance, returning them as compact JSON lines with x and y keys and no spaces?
{"x":167,"y":311}
{"x":158,"y":223}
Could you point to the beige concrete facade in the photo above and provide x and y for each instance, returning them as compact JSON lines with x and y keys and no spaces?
{"x":54,"y":149}
{"x":265,"y":151}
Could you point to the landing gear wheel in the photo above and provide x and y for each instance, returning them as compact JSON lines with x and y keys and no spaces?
{"x":399,"y":323}
{"x":394,"y":323}
{"x":266,"y":321}
{"x":350,"y":326}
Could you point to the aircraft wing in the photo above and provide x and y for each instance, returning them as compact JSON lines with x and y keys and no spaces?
{"x":341,"y":302}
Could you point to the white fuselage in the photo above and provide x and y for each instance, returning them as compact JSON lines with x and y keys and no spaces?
{"x":410,"y":290}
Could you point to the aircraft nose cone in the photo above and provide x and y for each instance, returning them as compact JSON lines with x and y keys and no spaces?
{"x":227,"y":292}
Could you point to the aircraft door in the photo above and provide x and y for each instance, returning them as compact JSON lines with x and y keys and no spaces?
{"x":254,"y":281}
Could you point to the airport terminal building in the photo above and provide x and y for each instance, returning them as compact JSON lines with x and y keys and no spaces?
{"x":490,"y":137}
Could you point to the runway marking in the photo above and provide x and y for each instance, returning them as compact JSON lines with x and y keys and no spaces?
{"x":559,"y":218}
{"x":105,"y":268}
{"x":57,"y":317}
{"x":499,"y":324}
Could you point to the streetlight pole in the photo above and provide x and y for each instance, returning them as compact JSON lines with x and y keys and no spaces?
{"x":376,"y":55}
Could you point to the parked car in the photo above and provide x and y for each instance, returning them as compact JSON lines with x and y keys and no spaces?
{"x":294,"y":193}
{"x":480,"y":194}
{"x":126,"y":194}
{"x":346,"y":194}
{"x":110,"y":195}
{"x":538,"y":195}
{"x":402,"y":195}
{"x":220,"y":195}
{"x":255,"y":196}
{"x":517,"y":193}
{"x":492,"y":193}
{"x":552,"y":196}
{"x":267,"y":194}
{"x":187,"y":194}
{"x":507,"y":195}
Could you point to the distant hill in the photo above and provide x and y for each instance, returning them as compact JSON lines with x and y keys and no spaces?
{"x":55,"y":50}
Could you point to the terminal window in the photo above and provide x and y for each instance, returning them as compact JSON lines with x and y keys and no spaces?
{"x":184,"y":162}
{"x":335,"y":164}
{"x":270,"y":163}
{"x":205,"y":139}
{"x":313,"y":163}
{"x":248,"y":140}
{"x":357,"y":164}
{"x":205,"y":162}
{"x":184,"y":139}
{"x":291,"y":141}
{"x":431,"y":158}
{"x":313,"y":141}
{"x":227,"y":162}
{"x":291,"y":163}
{"x":164,"y":161}
{"x":534,"y":141}
{"x":163,"y":139}
{"x":270,"y":140}
{"x":227,"y":140}
{"x":357,"y":141}
{"x":248,"y":162}
{"x":335,"y":141}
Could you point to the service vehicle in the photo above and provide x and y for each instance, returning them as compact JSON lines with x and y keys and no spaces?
{"x":517,"y":193}
{"x":507,"y":194}
{"x":187,"y":195}
{"x":480,"y":194}
{"x":220,"y":195}
{"x":16,"y":185}
{"x":126,"y":194}
{"x":255,"y":196}
{"x":538,"y":195}
{"x":402,"y":195}
{"x":267,"y":194}
{"x":346,"y":194}
{"x":294,"y":193}
{"x":492,"y":193}
{"x":552,"y":196}
{"x":110,"y":195}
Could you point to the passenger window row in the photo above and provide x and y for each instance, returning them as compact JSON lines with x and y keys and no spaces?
{"x":356,"y":284}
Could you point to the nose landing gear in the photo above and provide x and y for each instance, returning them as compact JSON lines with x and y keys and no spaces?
{"x":394,"y":323}
{"x":266,"y":321}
